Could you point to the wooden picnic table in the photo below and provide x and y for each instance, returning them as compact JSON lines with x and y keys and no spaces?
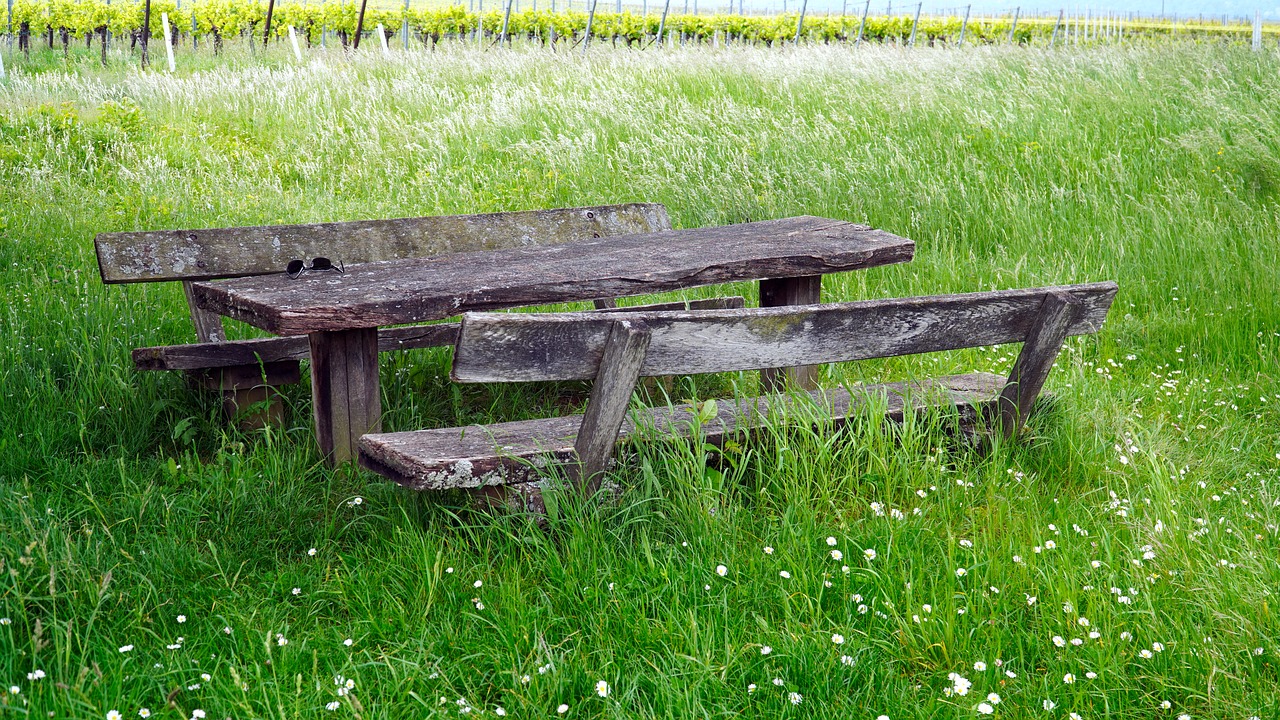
{"x":341,"y":313}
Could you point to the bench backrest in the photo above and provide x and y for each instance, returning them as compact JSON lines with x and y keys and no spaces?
{"x":192,"y":255}
{"x":522,"y":347}
{"x":615,"y":351}
{"x":165,"y":255}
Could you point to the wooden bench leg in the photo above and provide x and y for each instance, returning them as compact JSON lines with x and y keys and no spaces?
{"x":345,"y":395}
{"x":610,"y":395}
{"x":1031,"y":369}
{"x":243,"y":386}
{"x":790,"y":291}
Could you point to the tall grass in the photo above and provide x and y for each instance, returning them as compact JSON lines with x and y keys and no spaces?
{"x":1144,"y":502}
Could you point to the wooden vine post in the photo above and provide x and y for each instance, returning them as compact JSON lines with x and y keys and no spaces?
{"x":355,"y":44}
{"x":266,"y":34}
{"x":146,"y":32}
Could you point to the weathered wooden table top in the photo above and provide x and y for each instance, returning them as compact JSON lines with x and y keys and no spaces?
{"x":407,"y":291}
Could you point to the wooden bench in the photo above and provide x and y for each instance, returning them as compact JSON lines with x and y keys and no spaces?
{"x":341,"y":314}
{"x":615,"y":351}
{"x":245,"y":371}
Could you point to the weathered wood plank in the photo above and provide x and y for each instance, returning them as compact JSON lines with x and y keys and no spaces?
{"x":779,"y":292}
{"x":208,"y":325}
{"x":610,"y":395}
{"x":294,"y":347}
{"x":244,"y":377}
{"x":407,"y":291}
{"x":245,"y":386}
{"x":249,"y":353}
{"x":344,"y":389}
{"x":523,"y":347}
{"x":1039,"y":350}
{"x":729,"y":302}
{"x":159,"y":255}
{"x":514,"y":452}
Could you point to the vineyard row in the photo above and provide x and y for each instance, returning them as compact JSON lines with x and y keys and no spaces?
{"x":218,"y":19}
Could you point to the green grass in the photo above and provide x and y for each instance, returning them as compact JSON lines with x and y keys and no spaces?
{"x":126,"y":504}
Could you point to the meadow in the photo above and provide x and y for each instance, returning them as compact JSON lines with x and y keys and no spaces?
{"x":1119,"y":561}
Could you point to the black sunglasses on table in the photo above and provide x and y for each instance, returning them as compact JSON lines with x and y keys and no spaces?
{"x":295,"y":268}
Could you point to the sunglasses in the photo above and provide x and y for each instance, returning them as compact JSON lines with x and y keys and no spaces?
{"x":295,"y":268}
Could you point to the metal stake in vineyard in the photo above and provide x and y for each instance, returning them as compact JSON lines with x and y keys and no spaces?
{"x":1013,"y":28}
{"x":359,"y":25}
{"x":662,"y":24}
{"x":506,"y":20}
{"x":914,"y":23}
{"x":1054,"y":40}
{"x":964,"y":25}
{"x":862,"y":24}
{"x":800,"y":21}
{"x":591,"y":15}
{"x":1257,"y":31}
{"x":404,"y":27}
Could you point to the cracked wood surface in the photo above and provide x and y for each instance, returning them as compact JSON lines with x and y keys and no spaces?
{"x":526,"y":347}
{"x":418,"y":290}
{"x":514,"y":452}
{"x":160,"y":255}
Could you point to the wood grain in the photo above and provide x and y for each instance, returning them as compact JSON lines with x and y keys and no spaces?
{"x":208,"y":325}
{"x":1039,"y":349}
{"x":346,"y":401}
{"x":610,"y":395}
{"x":780,"y":292}
{"x":158,"y":255}
{"x":514,"y":452}
{"x":407,"y":291}
{"x":249,"y":353}
{"x":524,"y":347}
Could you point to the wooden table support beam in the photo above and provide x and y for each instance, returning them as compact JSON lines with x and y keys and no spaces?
{"x":344,"y":386}
{"x":804,"y":290}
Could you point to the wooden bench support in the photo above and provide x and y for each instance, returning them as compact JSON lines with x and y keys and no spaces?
{"x":245,"y":387}
{"x":790,"y":291}
{"x":208,"y":325}
{"x":347,"y":402}
{"x":515,"y":452}
{"x":610,"y":396}
{"x":1039,"y":350}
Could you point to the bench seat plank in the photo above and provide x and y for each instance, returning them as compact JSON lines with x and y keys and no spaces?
{"x":230,"y":353}
{"x":511,"y":452}
{"x":408,"y":291}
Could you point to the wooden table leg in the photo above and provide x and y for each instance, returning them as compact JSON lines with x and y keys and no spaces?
{"x":344,"y":390}
{"x":805,"y":290}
